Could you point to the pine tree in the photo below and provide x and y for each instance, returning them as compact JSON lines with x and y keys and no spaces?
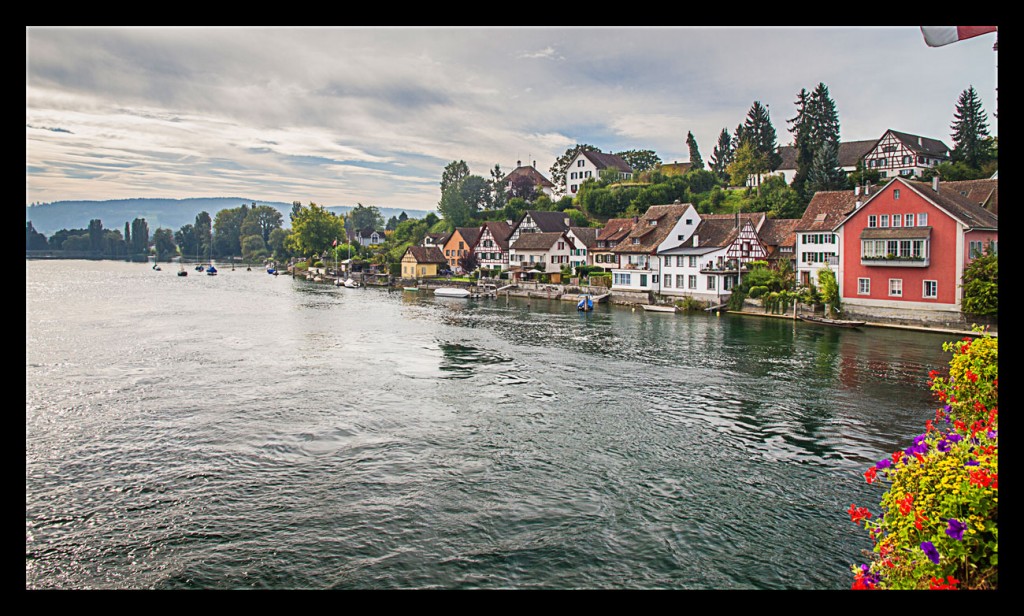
{"x":825,"y":173}
{"x":721,"y":155}
{"x":970,"y":130}
{"x":759,"y":132}
{"x":816,"y":123}
{"x":696,"y":162}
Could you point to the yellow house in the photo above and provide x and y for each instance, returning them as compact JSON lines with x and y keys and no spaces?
{"x":422,"y":261}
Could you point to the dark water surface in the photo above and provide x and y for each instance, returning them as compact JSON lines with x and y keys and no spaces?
{"x":251,"y":431}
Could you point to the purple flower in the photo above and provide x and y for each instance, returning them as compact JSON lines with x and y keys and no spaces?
{"x":956,"y":529}
{"x":971,"y":463}
{"x":953,"y":436}
{"x":991,"y":434}
{"x":919,"y":439}
{"x":886,"y":463}
{"x":943,"y":446}
{"x":930,"y":551}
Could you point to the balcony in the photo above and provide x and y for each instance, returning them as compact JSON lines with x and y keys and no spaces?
{"x":894,"y":261}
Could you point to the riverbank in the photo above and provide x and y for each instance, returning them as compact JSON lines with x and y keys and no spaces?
{"x":937,"y":330}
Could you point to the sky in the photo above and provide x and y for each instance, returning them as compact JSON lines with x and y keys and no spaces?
{"x":372,"y":115}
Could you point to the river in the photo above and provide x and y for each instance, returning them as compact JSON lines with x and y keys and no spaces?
{"x":253,"y":431}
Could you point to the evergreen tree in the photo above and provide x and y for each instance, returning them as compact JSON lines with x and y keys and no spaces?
{"x":696,"y":162}
{"x":721,"y":155}
{"x":759,"y":132}
{"x":825,"y":173}
{"x":816,"y":123}
{"x":34,"y":240}
{"x":970,"y":130}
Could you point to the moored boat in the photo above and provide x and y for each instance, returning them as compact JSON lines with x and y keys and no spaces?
{"x":452,"y":292}
{"x":832,"y":322}
{"x":659,"y":308}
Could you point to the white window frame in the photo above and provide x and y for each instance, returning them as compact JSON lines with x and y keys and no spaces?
{"x":863,"y":286}
{"x":922,"y":219}
{"x":934,"y":284}
{"x":895,"y":287}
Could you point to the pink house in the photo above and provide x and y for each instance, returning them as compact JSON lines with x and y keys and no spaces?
{"x":903,"y":251}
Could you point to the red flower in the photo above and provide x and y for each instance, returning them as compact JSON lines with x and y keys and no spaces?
{"x":870,"y":474}
{"x":971,"y":376}
{"x":928,"y":426}
{"x":960,"y":426}
{"x":981,"y":478}
{"x":858,"y":513}
{"x":906,"y":504}
{"x":950,"y":584}
{"x":896,"y":455}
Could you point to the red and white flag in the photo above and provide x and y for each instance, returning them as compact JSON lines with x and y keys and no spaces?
{"x":937,"y":36}
{"x":335,"y":243}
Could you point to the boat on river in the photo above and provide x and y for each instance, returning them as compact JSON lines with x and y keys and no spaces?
{"x":211,"y":271}
{"x":658,"y":308}
{"x":452,"y":292}
{"x":586,"y":303}
{"x":351,"y":284}
{"x":832,"y":322}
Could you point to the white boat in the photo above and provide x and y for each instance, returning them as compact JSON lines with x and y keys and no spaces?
{"x":657,"y":308}
{"x":452,"y":292}
{"x":351,"y":284}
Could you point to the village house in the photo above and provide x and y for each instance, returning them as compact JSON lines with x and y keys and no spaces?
{"x":531,"y":177}
{"x":587,"y":165}
{"x":779,"y":238}
{"x":422,"y":262}
{"x":459,"y":244}
{"x":983,"y":192}
{"x":817,"y":246}
{"x":638,"y":269}
{"x":708,"y":263}
{"x":492,"y":247}
{"x":368,"y":236}
{"x":539,"y":221}
{"x":539,"y":252}
{"x":903,"y":252}
{"x":585,"y":239}
{"x":434,"y":239}
{"x":903,"y":154}
{"x":608,"y":237}
{"x":850,"y":153}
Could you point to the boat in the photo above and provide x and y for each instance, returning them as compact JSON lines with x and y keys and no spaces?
{"x":658,"y":308}
{"x":211,"y":271}
{"x":586,"y":304}
{"x":411,"y":289}
{"x":156,"y":267}
{"x":271,"y":271}
{"x":351,"y":284}
{"x":832,"y":322}
{"x":199,"y":268}
{"x":181,"y":270}
{"x":452,"y":292}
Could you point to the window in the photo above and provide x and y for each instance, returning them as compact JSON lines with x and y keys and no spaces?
{"x":636,"y":240}
{"x":888,"y":148}
{"x":680,"y":281}
{"x":884,"y":222}
{"x":692,"y":281}
{"x":863,"y":286}
{"x":908,"y":160}
{"x":561,"y":245}
{"x":572,"y":175}
{"x":896,"y":195}
{"x":689,"y":221}
{"x":922,"y":219}
{"x":668,"y":281}
{"x":693,"y":261}
{"x":621,"y":279}
{"x":580,"y":162}
{"x":872,"y":221}
{"x":895,"y":287}
{"x":654,"y":223}
{"x":654,"y":279}
{"x":975,"y":250}
{"x":931,"y":289}
{"x":711,"y":283}
{"x":907,"y":172}
{"x":462,"y":246}
{"x":897,"y":220}
{"x":573,"y":188}
{"x":586,"y":174}
{"x":908,"y":220}
{"x":883,"y":174}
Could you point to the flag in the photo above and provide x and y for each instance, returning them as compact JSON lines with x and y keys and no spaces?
{"x":335,"y":244}
{"x":937,"y":36}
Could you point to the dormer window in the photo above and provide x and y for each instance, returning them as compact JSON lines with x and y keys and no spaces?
{"x":636,"y":240}
{"x":654,"y":223}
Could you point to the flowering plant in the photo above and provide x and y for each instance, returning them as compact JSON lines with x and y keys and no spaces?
{"x":939,"y":523}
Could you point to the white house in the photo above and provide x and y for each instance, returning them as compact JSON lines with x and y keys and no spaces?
{"x":817,"y":245}
{"x":546,"y":252}
{"x":492,"y":247}
{"x":585,"y":240}
{"x":588,"y":165}
{"x":638,"y":269}
{"x":903,"y":154}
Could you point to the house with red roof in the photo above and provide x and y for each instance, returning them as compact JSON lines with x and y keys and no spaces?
{"x":531,"y":177}
{"x":661,"y":227}
{"x":608,"y":237}
{"x":492,"y":247}
{"x":903,"y":252}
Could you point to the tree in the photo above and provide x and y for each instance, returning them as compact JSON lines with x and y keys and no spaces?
{"x":760,"y":134}
{"x":829,"y":286}
{"x":392,"y":223}
{"x":253,"y":248}
{"x":34,"y":240}
{"x":970,"y":130}
{"x":524,"y":188}
{"x":721,"y":155}
{"x":96,"y":235}
{"x":261,"y":220}
{"x":816,"y":123}
{"x":476,"y":191}
{"x":127,"y":237}
{"x":746,"y":161}
{"x":638,"y":160}
{"x":498,"y":196}
{"x":981,"y":285}
{"x":780,"y":200}
{"x":276,"y":242}
{"x":227,"y":230}
{"x":204,"y":234}
{"x":453,"y":173}
{"x":314,"y":229}
{"x":140,"y":237}
{"x":365,"y":217}
{"x":825,"y":172}
{"x":296,"y":208}
{"x":163,"y":244}
{"x":561,"y":165}
{"x":696,"y":162}
{"x":188,"y":242}
{"x":453,"y":207}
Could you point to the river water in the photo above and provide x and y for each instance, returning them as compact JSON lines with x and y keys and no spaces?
{"x":252,"y":431}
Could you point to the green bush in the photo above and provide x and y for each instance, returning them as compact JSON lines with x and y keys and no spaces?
{"x":939,"y":523}
{"x":756,"y":292}
{"x":690,"y":304}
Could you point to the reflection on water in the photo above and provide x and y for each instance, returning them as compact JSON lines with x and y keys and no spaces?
{"x":247,"y":430}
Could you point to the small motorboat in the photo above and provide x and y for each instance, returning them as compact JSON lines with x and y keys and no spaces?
{"x":586,"y":304}
{"x":199,"y":268}
{"x":271,"y":271}
{"x":411,"y":289}
{"x":659,"y":308}
{"x":452,"y":292}
{"x":156,"y":267}
{"x":211,"y":271}
{"x":351,"y":284}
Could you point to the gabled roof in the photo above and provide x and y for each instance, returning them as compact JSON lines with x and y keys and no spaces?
{"x":500,"y":230}
{"x":779,"y":232}
{"x":827,"y":209}
{"x":539,"y":241}
{"x":471,"y":235}
{"x":368,"y":232}
{"x":587,"y":235}
{"x":547,"y":222}
{"x":536,"y":177}
{"x":651,"y":236}
{"x":616,"y":229}
{"x":850,"y":153}
{"x":437,"y":238}
{"x":948,"y":199}
{"x":426,"y":254}
{"x":983,"y":192}
{"x":738,"y":218}
{"x":608,"y":161}
{"x":711,"y":233}
{"x":921,"y":145}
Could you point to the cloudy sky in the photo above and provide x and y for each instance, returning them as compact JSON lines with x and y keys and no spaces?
{"x":340,"y":116}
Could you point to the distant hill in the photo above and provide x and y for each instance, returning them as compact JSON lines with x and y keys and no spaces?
{"x":173,"y":214}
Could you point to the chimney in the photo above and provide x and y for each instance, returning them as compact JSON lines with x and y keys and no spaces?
{"x":568,"y":221}
{"x":519,"y":163}
{"x":935,"y":183}
{"x":859,"y":203}
{"x":636,"y":219}
{"x":737,"y":223}
{"x":694,"y":240}
{"x":856,"y":191}
{"x":534,"y":164}
{"x":919,"y":141}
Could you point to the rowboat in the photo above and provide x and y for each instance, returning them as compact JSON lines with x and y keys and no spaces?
{"x":657,"y":308}
{"x":832,"y":322}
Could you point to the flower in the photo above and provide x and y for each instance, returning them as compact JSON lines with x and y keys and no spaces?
{"x":930,"y":551}
{"x":949,"y":584}
{"x":858,"y":513}
{"x":870,"y":474}
{"x":943,"y":446}
{"x":886,"y":463}
{"x":956,"y":529}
